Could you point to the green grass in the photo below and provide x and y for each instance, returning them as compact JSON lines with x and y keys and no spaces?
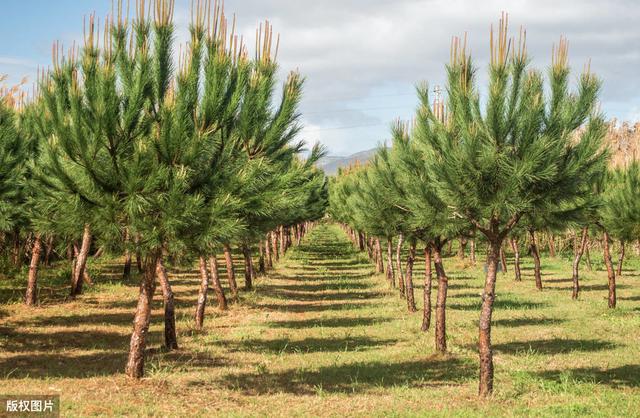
{"x":322,"y":335}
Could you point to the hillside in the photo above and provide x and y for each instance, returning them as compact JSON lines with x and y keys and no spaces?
{"x":331,"y":163}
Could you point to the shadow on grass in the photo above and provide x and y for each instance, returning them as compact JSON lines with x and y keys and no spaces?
{"x":354,"y":378}
{"x":328,"y":323}
{"x":521,"y":322}
{"x":303,"y":307}
{"x":627,"y":375}
{"x":307,"y":345}
{"x":554,"y":346}
{"x":506,"y":304}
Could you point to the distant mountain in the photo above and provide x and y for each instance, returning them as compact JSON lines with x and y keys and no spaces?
{"x":331,"y":163}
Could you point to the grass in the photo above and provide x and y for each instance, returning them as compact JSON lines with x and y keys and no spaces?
{"x":322,"y":335}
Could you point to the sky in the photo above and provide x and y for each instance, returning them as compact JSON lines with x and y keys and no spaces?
{"x":362,"y":59}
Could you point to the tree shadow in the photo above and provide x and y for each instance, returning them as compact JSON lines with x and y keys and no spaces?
{"x":554,"y":346}
{"x":301,"y":308}
{"x":354,"y":378}
{"x":627,"y":375}
{"x":593,"y":287}
{"x":328,"y":323}
{"x":64,"y":340}
{"x":506,"y":304}
{"x":316,"y":296}
{"x":307,"y":345}
{"x":521,"y":322}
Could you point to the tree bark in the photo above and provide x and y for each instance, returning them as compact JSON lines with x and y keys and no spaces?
{"x":216,"y":284}
{"x":576,"y":262}
{"x":170,"y":337}
{"x":503,"y":260}
{"x":202,"y":293}
{"x":441,"y":299}
{"x":426,"y":312}
{"x":261,"y":264}
{"x":399,"y":265}
{"x":379,"y":262}
{"x":231,"y":273}
{"x":274,"y":243}
{"x":267,"y":249}
{"x":516,"y":258}
{"x":411,"y":303}
{"x":621,"y":259}
{"x":31,"y":297}
{"x":484,"y":327}
{"x":462,"y":248}
{"x":611,"y":274}
{"x":552,"y":246}
{"x":283,"y":241}
{"x":248,"y":267}
{"x":15,"y":254}
{"x":536,"y":260}
{"x":137,"y":346}
{"x":126,"y":271}
{"x":472,"y":254}
{"x":48,"y":251}
{"x":588,"y":255}
{"x":389,"y":267}
{"x":81,"y":262}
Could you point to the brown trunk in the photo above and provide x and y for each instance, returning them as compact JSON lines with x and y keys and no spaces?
{"x":31,"y":298}
{"x":426,"y":312}
{"x":283,"y":242}
{"x":215,"y":282}
{"x":361,"y":241}
{"x":552,"y":246}
{"x":411,"y":303}
{"x":48,"y":251}
{"x":202,"y":293}
{"x":15,"y":254}
{"x":576,"y":262}
{"x":135,"y":362}
{"x":170,"y":337}
{"x":248,"y":268}
{"x":261,"y":268}
{"x":274,"y":243}
{"x":621,"y":259}
{"x":81,"y":262}
{"x":379,"y":262}
{"x":462,"y":248}
{"x":503,"y":260}
{"x":126,"y":271}
{"x":389,"y":267}
{"x":231,"y":273}
{"x":484,"y":337}
{"x":536,"y":260}
{"x":516,"y":258}
{"x":399,"y":265}
{"x":611,"y":274}
{"x":441,"y":300}
{"x":267,"y":250}
{"x":472,"y":254}
{"x":587,"y":254}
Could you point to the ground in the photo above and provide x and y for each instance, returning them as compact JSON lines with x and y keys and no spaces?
{"x":324,"y":336}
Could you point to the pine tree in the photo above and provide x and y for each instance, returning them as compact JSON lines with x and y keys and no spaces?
{"x":518,"y":156}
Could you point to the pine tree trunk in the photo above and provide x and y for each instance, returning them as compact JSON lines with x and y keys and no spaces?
{"x":552,"y":246}
{"x":135,"y":362}
{"x":31,"y":297}
{"x":126,"y":271}
{"x":379,"y":262}
{"x":202,"y":293}
{"x":588,"y":255}
{"x":261,"y":264}
{"x":248,"y":267}
{"x":516,"y":258}
{"x":389,"y":267}
{"x":274,"y":243}
{"x":283,"y":241}
{"x":503,"y":260}
{"x":462,"y":248}
{"x":81,"y":262}
{"x":472,"y":254}
{"x":576,"y":263}
{"x":16,"y":252}
{"x":216,"y":284}
{"x":536,"y":260}
{"x":441,"y":299}
{"x":411,"y":303}
{"x":611,"y":274}
{"x":621,"y":259}
{"x":231,"y":273}
{"x":399,"y":265}
{"x":426,"y":312}
{"x":48,"y":251}
{"x":361,"y":241}
{"x":484,"y":327}
{"x":267,"y":249}
{"x":170,"y":337}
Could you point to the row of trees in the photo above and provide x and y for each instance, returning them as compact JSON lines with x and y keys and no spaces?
{"x":529,"y":157}
{"x":125,"y":150}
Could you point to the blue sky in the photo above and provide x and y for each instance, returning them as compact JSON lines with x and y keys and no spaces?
{"x":361,"y":58}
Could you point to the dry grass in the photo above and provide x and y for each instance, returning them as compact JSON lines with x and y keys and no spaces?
{"x":324,"y":336}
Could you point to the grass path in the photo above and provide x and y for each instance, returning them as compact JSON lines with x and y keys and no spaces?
{"x":323,"y":336}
